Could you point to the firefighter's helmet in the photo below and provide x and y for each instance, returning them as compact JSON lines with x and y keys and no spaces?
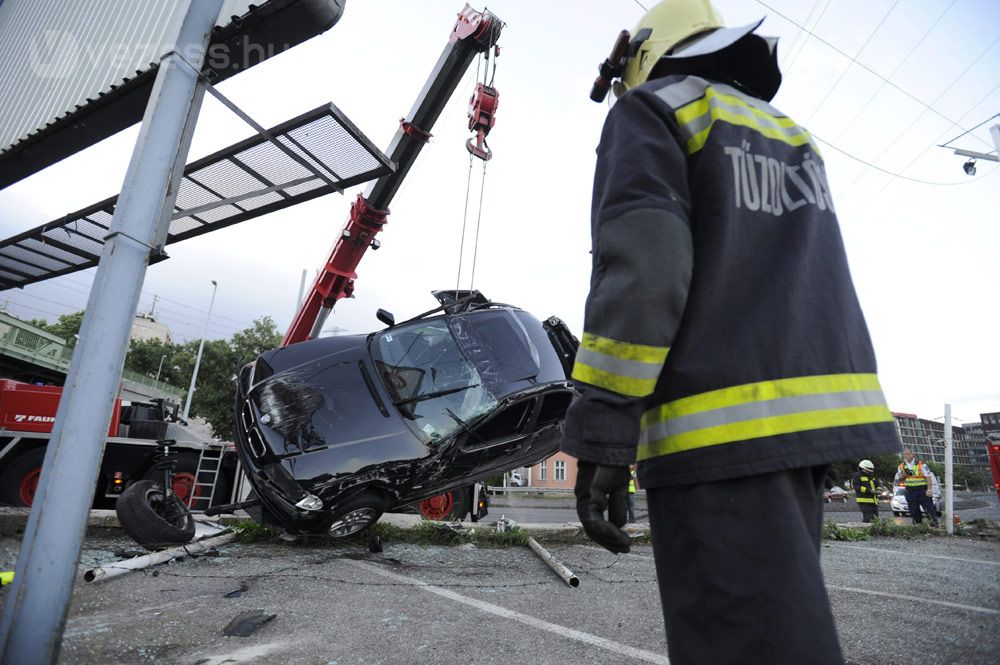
{"x":866,"y":465}
{"x":683,"y":30}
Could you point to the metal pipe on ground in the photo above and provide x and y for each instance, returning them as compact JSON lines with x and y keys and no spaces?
{"x":555,"y":564}
{"x":106,"y":572}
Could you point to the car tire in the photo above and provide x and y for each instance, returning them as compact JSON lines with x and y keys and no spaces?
{"x":20,"y":479}
{"x":151,"y":518}
{"x":451,"y":506}
{"x":356,"y":514}
{"x":185,"y":477}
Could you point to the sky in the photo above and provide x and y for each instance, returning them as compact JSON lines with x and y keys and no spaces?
{"x":879,"y":82}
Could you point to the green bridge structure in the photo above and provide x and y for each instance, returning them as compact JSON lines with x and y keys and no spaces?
{"x":30,"y":354}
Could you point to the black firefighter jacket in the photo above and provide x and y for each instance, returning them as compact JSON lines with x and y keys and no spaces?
{"x":722,"y":333}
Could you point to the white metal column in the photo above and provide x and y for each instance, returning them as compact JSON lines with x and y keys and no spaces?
{"x":35,"y":613}
{"x":949,"y":477}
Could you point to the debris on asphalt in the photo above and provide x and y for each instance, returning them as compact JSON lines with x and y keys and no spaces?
{"x":555,"y":564}
{"x":505,"y":524}
{"x":246,"y":622}
{"x":236,"y":593}
{"x":375,"y":545}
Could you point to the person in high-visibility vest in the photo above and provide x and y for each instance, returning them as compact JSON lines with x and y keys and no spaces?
{"x":863,"y":483}
{"x":918,"y":483}
{"x":723,"y":344}
{"x":631,"y":494}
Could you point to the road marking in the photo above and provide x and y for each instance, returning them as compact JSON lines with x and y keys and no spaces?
{"x":945,"y":603}
{"x":899,"y":596}
{"x":562,"y":631}
{"x":929,"y":556}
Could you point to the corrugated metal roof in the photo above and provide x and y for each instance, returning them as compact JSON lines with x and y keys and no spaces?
{"x":58,"y":54}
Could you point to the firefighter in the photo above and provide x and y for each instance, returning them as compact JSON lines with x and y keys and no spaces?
{"x":917,"y":480}
{"x":723,"y":345}
{"x":863,"y":483}
{"x":631,"y":494}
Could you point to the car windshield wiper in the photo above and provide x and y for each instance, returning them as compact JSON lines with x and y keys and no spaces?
{"x":465,"y":428}
{"x":440,"y":393}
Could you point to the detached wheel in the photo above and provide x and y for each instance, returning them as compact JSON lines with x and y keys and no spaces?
{"x":356,"y":515}
{"x":184,"y":485}
{"x":20,"y":480}
{"x":153,"y":520}
{"x":451,"y":506}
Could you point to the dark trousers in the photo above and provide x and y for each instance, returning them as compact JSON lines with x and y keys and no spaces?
{"x":916,"y":498}
{"x":869,"y":512}
{"x":738,"y":568}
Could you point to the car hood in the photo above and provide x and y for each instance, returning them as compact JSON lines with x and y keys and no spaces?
{"x":321,"y":395}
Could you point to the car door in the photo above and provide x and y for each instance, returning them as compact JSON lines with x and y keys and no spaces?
{"x":494,"y":443}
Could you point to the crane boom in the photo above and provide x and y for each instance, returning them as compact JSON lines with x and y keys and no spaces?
{"x":474,"y":32}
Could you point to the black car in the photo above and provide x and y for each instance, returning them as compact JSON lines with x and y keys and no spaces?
{"x":333,"y":432}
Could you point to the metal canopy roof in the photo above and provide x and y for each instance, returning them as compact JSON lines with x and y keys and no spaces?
{"x":246,"y":180}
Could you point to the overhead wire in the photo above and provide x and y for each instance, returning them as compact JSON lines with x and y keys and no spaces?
{"x":946,"y":143}
{"x":853,"y":61}
{"x":922,"y":113}
{"x":803,"y":33}
{"x":862,"y":107}
{"x":868,"y":69}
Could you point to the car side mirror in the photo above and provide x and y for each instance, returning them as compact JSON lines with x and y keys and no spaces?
{"x":385,"y":317}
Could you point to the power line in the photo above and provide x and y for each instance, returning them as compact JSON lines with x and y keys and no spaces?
{"x":892,"y":173}
{"x":800,"y":35}
{"x":641,"y":5}
{"x":945,"y":145}
{"x":922,"y":113}
{"x":853,"y":61}
{"x":866,"y":67}
{"x":862,"y":107}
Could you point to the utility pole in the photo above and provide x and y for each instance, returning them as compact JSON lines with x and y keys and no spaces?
{"x":949,"y":505}
{"x":201,"y":347}
{"x":35,"y":612}
{"x":160,"y":368}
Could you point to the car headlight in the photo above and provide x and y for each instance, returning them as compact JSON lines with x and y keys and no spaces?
{"x":310,"y":502}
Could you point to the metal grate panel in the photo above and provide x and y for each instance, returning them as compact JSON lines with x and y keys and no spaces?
{"x":246,"y":180}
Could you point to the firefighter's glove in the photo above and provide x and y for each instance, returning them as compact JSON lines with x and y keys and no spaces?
{"x":599,"y":490}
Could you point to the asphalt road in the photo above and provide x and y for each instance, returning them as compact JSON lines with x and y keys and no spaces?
{"x":934,"y":596}
{"x":526,"y":509}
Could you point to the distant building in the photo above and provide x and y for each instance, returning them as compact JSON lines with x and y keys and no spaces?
{"x":926,"y":439}
{"x":145,"y":327}
{"x":558,"y":471}
{"x":991,"y":425}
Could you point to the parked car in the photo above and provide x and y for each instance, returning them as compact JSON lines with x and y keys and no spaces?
{"x":835,"y":494}
{"x":334,"y":431}
{"x":899,"y":506}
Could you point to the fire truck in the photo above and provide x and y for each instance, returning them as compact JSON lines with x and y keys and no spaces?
{"x":993,"y":449}
{"x":203,"y":471}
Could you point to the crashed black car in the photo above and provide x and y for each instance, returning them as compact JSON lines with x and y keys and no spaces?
{"x":333,"y":432}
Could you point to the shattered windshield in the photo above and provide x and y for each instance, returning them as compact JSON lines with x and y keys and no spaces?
{"x":444,"y":373}
{"x":429,"y":379}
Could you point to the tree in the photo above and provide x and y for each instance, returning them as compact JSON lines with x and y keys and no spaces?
{"x":66,"y":326}
{"x":144,"y":356}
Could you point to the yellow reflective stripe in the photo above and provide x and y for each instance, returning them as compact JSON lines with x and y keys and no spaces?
{"x":760,"y":392}
{"x":763,"y":427}
{"x":866,"y":499}
{"x":713,"y":105}
{"x":623,"y":385}
{"x":624,"y":350}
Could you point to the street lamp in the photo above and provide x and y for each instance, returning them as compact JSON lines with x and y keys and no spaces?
{"x":201,"y":347}
{"x":160,"y":368}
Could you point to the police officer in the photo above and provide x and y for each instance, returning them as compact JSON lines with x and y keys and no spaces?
{"x":723,"y":346}
{"x":917,"y":481}
{"x":863,"y":483}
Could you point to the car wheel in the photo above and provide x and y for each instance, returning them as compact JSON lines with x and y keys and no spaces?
{"x":356,"y":515}
{"x":184,"y":485}
{"x":20,"y":480}
{"x":451,"y":506}
{"x":151,"y":518}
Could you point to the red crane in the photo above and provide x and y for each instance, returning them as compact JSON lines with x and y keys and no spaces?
{"x":474,"y":33}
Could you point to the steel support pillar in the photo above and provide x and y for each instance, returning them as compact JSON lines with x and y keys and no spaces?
{"x":949,"y":474}
{"x":35,"y":613}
